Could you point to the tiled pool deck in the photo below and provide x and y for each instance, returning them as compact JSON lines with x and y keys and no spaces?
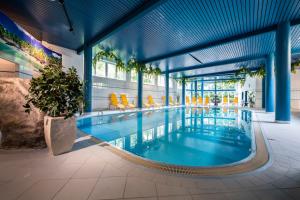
{"x":93,"y":172}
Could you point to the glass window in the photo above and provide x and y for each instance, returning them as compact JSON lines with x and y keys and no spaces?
{"x":188,"y":85}
{"x":209,"y":86}
{"x":199,"y":85}
{"x":149,"y":80}
{"x":99,"y":69}
{"x":179,"y":85}
{"x":161,"y":80}
{"x":133,"y":76}
{"x":121,"y":75}
{"x":111,"y":70}
{"x":170,"y":83}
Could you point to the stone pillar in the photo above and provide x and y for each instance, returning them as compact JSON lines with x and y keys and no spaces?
{"x":88,"y":82}
{"x":269,"y":84}
{"x":283,"y":73}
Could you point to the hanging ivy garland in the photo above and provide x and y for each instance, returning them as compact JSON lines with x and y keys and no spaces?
{"x":241,"y":81}
{"x":259,"y":73}
{"x":240,"y":75}
{"x":110,"y":55}
{"x":180,"y":80}
{"x":132,"y":63}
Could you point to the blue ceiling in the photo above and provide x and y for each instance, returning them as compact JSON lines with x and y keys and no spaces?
{"x":172,"y":26}
{"x":88,"y":17}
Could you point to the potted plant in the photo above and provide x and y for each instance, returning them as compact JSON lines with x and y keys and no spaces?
{"x":58,"y":94}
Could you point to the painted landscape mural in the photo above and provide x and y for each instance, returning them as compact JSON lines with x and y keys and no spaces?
{"x":18,"y":46}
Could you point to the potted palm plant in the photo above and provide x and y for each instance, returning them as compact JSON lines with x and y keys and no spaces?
{"x":58,"y":94}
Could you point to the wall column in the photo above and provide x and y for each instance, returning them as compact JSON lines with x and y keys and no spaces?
{"x":263,"y":93}
{"x":269,"y":84}
{"x":88,"y":82}
{"x":167,"y":89}
{"x":183,"y":93}
{"x":283,"y":73}
{"x":140,"y":90}
{"x":196,"y":90}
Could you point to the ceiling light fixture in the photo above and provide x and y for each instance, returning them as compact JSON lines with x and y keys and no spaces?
{"x":62,"y":2}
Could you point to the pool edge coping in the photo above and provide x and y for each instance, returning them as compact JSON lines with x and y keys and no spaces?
{"x":260,"y":159}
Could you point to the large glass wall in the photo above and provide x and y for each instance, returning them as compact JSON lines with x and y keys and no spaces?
{"x":214,"y":90}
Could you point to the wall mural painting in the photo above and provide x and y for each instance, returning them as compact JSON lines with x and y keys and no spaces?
{"x":18,"y":46}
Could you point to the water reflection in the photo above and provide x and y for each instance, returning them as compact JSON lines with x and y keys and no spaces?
{"x":184,"y":136}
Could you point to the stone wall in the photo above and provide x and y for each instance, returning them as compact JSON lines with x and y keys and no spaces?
{"x":18,"y":129}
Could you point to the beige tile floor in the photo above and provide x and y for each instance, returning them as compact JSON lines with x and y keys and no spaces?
{"x":92,"y":172}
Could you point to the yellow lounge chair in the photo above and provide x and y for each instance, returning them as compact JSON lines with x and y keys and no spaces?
{"x":200,"y":100}
{"x":163,"y":98}
{"x":206,"y":103}
{"x":124,"y":101}
{"x":172,"y":102}
{"x":194,"y":101}
{"x":225,"y":101}
{"x":115,"y":103}
{"x":235,"y":101}
{"x":152,"y":103}
{"x":187,"y":101}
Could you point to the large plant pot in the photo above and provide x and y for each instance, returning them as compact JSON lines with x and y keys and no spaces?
{"x":60,"y":134}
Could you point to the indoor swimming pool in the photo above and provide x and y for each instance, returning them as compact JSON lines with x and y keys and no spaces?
{"x":192,"y":137}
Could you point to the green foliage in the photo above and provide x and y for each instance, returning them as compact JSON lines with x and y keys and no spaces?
{"x":132,"y":63}
{"x":243,"y":72}
{"x":259,"y":73}
{"x":240,"y":81}
{"x":180,"y":81}
{"x":55,"y":92}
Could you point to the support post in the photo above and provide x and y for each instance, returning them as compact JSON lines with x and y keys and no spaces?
{"x":88,"y":56}
{"x":140,"y":90}
{"x":263,"y":93}
{"x":202,"y":90}
{"x":183,"y":93}
{"x":167,"y":89}
{"x":269,"y":83}
{"x":196,"y":90}
{"x":283,"y":73}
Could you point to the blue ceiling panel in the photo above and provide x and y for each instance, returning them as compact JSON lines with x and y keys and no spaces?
{"x":223,"y":68}
{"x":252,"y":46}
{"x":295,"y":34}
{"x":180,"y":24}
{"x":259,"y":45}
{"x":171,"y":26}
{"x":88,"y":17}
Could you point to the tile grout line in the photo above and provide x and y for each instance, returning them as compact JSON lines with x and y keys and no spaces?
{"x":98,"y":178}
{"x":69,"y":179}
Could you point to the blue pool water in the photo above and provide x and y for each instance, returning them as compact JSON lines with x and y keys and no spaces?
{"x":180,"y":136}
